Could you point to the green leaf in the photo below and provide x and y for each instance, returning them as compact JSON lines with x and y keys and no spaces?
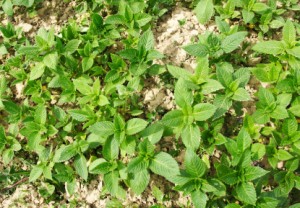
{"x":99,"y":166}
{"x":261,"y":117}
{"x":139,"y":181}
{"x":224,"y":74}
{"x":7,"y":7}
{"x":40,"y":114}
{"x":28,"y":50}
{"x":72,"y":46}
{"x":267,"y":72}
{"x":272,"y":47}
{"x":241,"y":95}
{"x":243,"y":140}
{"x":232,"y":205}
{"x":87,"y":63}
{"x":115,"y":20}
{"x":64,"y":153}
{"x":80,"y":166}
{"x":135,"y":125}
{"x":51,"y":60}
{"x":79,"y":115}
{"x":110,"y":149}
{"x":193,"y":164}
{"x":111,"y":182}
{"x":223,"y":104}
{"x":246,"y":193}
{"x":164,"y":164}
{"x":173,"y":118}
{"x":247,"y":15}
{"x":81,"y":84}
{"x":203,"y":111}
{"x":227,"y":175}
{"x":232,"y":42}
{"x":102,"y":128}
{"x":198,"y":49}
{"x":252,"y":173}
{"x":146,"y":40}
{"x":290,"y":126}
{"x":295,"y":51}
{"x":265,"y":96}
{"x":35,"y":173}
{"x":295,"y":109}
{"x":259,"y":7}
{"x":178,"y":72}
{"x":222,"y":25}
{"x":284,"y":155}
{"x":289,"y":33}
{"x":199,"y":199}
{"x":3,"y":86}
{"x":146,"y":148}
{"x":284,"y":99}
{"x":157,"y":193}
{"x":137,"y":164}
{"x":210,"y":86}
{"x":153,"y":132}
{"x":191,"y":136}
{"x":2,"y":138}
{"x":183,"y":96}
{"x":37,"y":71}
{"x":204,"y":11}
{"x":280,"y":112}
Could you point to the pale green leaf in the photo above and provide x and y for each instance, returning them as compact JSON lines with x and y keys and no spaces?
{"x":289,"y":33}
{"x":232,"y":42}
{"x":279,"y":112}
{"x":139,"y":181}
{"x":164,"y":164}
{"x":72,"y":46}
{"x":87,"y":63}
{"x":173,"y":118}
{"x":65,"y":153}
{"x":40,"y":114}
{"x":204,"y":11}
{"x":203,"y":111}
{"x":193,"y":164}
{"x":241,"y":95}
{"x":252,"y":173}
{"x":191,"y":136}
{"x":135,"y":125}
{"x":146,"y":40}
{"x":178,"y":72}
{"x":210,"y":86}
{"x":35,"y":173}
{"x":295,"y":109}
{"x":80,"y":165}
{"x":37,"y":71}
{"x":199,"y":199}
{"x":246,"y":193}
{"x":269,"y":47}
{"x":198,"y":49}
{"x":102,"y":128}
{"x":51,"y":60}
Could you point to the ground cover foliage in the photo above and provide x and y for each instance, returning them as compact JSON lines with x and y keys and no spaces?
{"x":81,"y":114}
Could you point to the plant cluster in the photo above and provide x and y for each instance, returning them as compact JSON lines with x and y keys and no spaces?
{"x":81,"y":114}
